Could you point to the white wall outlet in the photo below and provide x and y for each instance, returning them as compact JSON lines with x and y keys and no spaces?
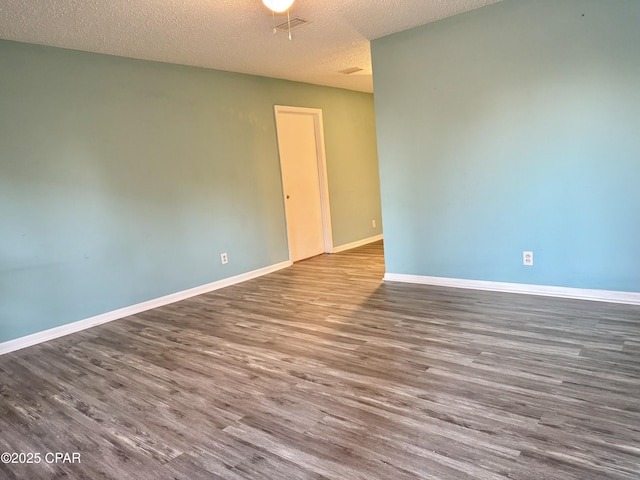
{"x":527,"y":258}
{"x":373,"y":223}
{"x":223,"y":258}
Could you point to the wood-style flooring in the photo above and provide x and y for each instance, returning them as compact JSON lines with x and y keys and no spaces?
{"x":323,"y":371}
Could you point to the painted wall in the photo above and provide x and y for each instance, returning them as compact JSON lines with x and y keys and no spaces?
{"x":123,"y":180}
{"x":514,"y":127}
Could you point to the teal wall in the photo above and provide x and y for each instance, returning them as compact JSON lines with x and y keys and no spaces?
{"x":514,"y":127}
{"x":123,"y":180}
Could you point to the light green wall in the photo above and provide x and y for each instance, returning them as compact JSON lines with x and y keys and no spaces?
{"x":122,"y":180}
{"x":508,"y":128}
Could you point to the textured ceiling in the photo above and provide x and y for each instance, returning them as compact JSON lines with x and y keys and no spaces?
{"x":233,"y":35}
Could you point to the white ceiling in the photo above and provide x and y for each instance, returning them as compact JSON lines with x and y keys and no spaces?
{"x":234,"y":35}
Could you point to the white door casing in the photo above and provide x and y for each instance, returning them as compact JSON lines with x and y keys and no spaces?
{"x":304,"y":181}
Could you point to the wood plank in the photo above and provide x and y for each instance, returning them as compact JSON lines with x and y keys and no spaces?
{"x":321,"y":371}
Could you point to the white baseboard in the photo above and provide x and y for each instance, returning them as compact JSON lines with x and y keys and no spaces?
{"x":63,"y":330}
{"x":359,"y":243}
{"x":631,"y":298}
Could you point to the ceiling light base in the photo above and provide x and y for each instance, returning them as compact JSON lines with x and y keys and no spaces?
{"x":278,"y":6}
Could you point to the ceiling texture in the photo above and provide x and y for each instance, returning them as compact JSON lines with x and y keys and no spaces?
{"x":233,"y":35}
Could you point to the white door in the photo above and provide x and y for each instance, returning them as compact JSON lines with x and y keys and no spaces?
{"x":303,"y":181}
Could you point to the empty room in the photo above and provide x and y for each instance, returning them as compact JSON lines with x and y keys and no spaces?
{"x":276,"y":239}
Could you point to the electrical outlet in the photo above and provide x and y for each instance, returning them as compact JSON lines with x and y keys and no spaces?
{"x":223,"y":258}
{"x":373,"y":223}
{"x":527,"y":258}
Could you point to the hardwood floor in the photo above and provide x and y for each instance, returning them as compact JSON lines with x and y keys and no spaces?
{"x":322,"y":371}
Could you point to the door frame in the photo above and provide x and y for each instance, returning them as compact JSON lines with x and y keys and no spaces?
{"x":321,"y":158}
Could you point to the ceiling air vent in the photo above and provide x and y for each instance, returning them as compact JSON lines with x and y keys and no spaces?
{"x":349,"y":71}
{"x":296,"y":22}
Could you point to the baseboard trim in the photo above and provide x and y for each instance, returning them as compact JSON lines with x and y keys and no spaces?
{"x":359,"y":243}
{"x":61,"y":331}
{"x":631,"y":298}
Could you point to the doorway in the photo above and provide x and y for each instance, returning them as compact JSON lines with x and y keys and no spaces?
{"x":304,"y":181}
